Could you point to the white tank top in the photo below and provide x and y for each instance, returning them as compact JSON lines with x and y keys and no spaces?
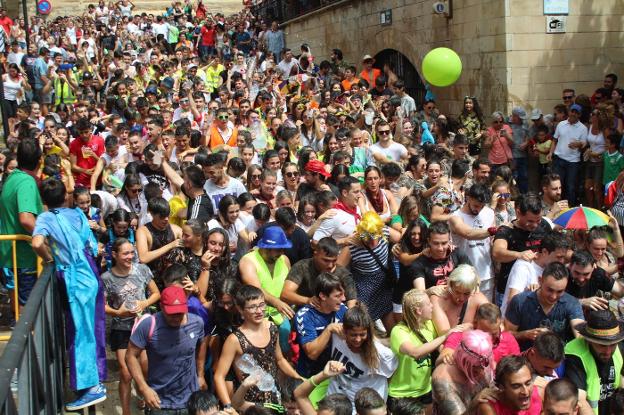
{"x":11,"y":87}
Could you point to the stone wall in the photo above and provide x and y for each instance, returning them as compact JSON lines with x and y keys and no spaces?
{"x":507,"y":56}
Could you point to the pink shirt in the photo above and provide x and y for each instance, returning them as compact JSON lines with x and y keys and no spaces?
{"x":534,"y":409}
{"x":507,"y":345}
{"x":500,"y":153}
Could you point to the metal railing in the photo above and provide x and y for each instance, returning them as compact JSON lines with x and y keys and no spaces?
{"x":284,"y":10}
{"x":13,"y":239}
{"x":35,"y":352}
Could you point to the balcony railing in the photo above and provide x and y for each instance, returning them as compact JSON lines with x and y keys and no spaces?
{"x":284,"y":10}
{"x":33,"y":357}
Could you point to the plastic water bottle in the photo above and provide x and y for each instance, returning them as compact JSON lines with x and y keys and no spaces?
{"x":260,"y":140}
{"x":246,"y":363}
{"x":266,"y":382}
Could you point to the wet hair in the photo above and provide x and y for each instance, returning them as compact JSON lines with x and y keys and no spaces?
{"x":479,"y":192}
{"x":406,"y":239}
{"x":438,"y":227}
{"x":326,"y":283}
{"x":118,"y":243}
{"x":261,"y":212}
{"x":358,"y":317}
{"x":582,"y":258}
{"x":28,"y":154}
{"x":159,"y":206}
{"x":529,"y":202}
{"x":328,"y":246}
{"x":509,"y":365}
{"x":195,"y":176}
{"x":285,"y":217}
{"x":53,"y":192}
{"x":247,"y":293}
{"x":549,"y":346}
{"x":554,"y":240}
{"x":367,"y":399}
{"x":201,"y":401}
{"x":464,"y":276}
{"x":563,"y":389}
{"x":555,"y":270}
{"x":488,"y":312}
{"x":224,"y":204}
{"x":175,"y":273}
{"x":337,"y":403}
{"x":412,"y":300}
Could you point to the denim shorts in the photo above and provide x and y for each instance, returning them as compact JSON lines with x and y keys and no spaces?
{"x":26,"y":279}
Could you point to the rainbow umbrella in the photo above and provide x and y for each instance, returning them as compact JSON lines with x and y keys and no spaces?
{"x":581,"y":218}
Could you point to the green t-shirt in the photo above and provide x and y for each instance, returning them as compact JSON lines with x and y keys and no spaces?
{"x":174,"y":34}
{"x":413,"y":377}
{"x":612,"y":166}
{"x":19,"y":195}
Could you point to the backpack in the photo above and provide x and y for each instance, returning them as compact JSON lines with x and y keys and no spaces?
{"x":152,"y":324}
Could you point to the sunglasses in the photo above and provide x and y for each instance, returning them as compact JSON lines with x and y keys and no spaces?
{"x":383,"y":132}
{"x":504,"y":196}
{"x":566,"y":97}
{"x":184,"y":101}
{"x":292,"y":174}
{"x":223,"y":117}
{"x":255,"y":176}
{"x":139,"y":190}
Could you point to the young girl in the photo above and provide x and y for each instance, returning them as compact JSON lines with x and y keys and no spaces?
{"x":371,"y":363}
{"x":82,"y":200}
{"x":119,"y":226}
{"x":228,"y":219}
{"x":258,"y":338}
{"x":125,"y":285}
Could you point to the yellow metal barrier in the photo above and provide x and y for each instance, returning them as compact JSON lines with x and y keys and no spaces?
{"x":14,"y":239}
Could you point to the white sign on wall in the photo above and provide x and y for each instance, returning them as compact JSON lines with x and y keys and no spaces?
{"x":556,"y":24}
{"x":556,"y":7}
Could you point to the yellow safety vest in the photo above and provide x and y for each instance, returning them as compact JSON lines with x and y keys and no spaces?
{"x":273,"y":284}
{"x":213,"y":77}
{"x":63,"y":93}
{"x":580,"y":348}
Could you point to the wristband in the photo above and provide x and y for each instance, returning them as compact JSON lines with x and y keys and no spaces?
{"x":227,"y":406}
{"x":312,"y":381}
{"x":492,"y":230}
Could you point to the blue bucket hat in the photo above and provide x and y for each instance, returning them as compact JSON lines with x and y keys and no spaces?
{"x":274,"y":238}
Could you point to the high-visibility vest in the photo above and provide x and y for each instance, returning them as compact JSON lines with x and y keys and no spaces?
{"x":213,"y":77}
{"x":63,"y":93}
{"x":273,"y":284}
{"x":580,"y":348}
{"x":216,"y":139}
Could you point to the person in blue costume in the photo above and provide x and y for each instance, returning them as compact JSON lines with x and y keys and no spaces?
{"x":63,"y":236}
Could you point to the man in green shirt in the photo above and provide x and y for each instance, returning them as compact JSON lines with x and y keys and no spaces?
{"x":20,"y":203}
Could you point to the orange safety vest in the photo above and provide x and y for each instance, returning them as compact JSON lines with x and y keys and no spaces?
{"x":216,"y":139}
{"x":365,"y":75}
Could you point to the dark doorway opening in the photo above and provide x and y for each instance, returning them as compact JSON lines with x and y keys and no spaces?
{"x":404,"y":69}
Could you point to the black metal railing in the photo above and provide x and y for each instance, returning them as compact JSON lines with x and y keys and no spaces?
{"x":284,"y":10}
{"x":33,"y":359}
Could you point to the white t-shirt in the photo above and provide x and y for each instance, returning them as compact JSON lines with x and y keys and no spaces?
{"x":394,"y":152}
{"x":477,"y":251}
{"x":233,"y":187}
{"x":340,"y":226}
{"x":522,"y":275}
{"x":160,"y":29}
{"x":358,"y":375}
{"x":286,"y":67}
{"x":567,"y":133}
{"x":232,"y":230}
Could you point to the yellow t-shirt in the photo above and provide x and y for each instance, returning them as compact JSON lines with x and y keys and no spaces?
{"x":543,"y":147}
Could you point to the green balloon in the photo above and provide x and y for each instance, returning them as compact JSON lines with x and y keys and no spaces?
{"x":441,"y":67}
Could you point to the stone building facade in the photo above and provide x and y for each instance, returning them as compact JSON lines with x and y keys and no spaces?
{"x":508,"y":58}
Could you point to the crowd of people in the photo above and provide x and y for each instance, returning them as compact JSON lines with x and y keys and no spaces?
{"x":252,"y":231}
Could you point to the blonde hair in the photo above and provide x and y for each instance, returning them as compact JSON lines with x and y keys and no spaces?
{"x":371,"y":225}
{"x":465,"y":276}
{"x":412,"y":300}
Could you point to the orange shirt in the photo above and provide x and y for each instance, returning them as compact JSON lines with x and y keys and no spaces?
{"x":216,"y":139}
{"x":346,"y":84}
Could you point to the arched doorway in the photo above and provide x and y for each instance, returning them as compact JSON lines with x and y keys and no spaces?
{"x":404,"y":69}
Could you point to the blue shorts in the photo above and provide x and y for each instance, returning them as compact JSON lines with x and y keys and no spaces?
{"x":26,"y":279}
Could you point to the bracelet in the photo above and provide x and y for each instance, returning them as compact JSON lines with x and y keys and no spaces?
{"x":205,"y":269}
{"x":311,"y":379}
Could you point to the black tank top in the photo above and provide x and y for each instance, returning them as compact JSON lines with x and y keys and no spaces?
{"x":159,"y":239}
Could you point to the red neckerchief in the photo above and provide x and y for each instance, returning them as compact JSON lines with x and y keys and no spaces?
{"x":353,"y":212}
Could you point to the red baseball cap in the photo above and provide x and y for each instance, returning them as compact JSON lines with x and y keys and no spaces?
{"x":173,"y":300}
{"x":317,"y":166}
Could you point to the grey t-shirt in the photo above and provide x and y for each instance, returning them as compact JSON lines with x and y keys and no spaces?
{"x":234,"y":187}
{"x":171,"y":355}
{"x":119,"y":289}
